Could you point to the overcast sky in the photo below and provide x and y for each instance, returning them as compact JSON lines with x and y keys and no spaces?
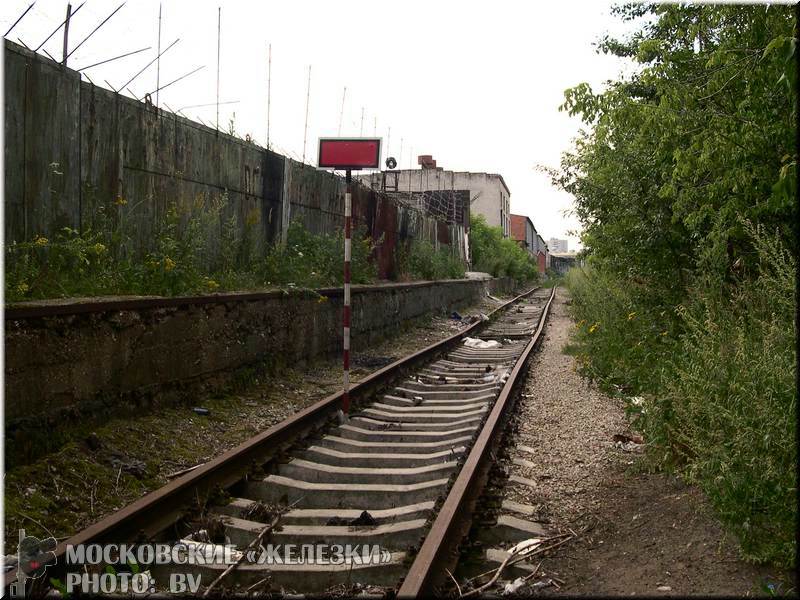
{"x":475,"y":84}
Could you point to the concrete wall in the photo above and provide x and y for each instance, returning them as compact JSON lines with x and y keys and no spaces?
{"x":489,"y":195}
{"x":81,"y":156}
{"x":316,"y":199}
{"x":111,"y":353}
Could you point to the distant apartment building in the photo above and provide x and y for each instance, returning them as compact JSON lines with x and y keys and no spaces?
{"x":488,"y":193}
{"x":557,"y":245}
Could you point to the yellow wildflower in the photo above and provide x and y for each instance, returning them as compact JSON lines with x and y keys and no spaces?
{"x":663,"y":333}
{"x":120,"y":201}
{"x":40,"y":240}
{"x":211,"y":284}
{"x":631,"y":316}
{"x":23,"y":288}
{"x":169,"y":264}
{"x":593,"y":327}
{"x":98,"y":248}
{"x":322,"y":299}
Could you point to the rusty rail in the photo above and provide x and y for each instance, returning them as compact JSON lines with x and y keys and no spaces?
{"x":163,"y":508}
{"x":438,"y":551}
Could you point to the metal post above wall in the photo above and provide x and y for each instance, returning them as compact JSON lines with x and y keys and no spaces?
{"x":66,"y":34}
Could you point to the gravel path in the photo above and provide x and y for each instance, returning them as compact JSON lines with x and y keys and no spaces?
{"x":638,"y":533}
{"x":570,"y":424}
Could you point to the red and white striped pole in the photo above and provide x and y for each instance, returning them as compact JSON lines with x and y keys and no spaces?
{"x":346,"y":309}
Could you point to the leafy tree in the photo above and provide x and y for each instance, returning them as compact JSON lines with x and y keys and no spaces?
{"x":699,"y":137}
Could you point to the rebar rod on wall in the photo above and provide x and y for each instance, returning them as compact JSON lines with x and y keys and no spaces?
{"x":305,"y":128}
{"x":269,"y":90}
{"x":158,"y":53}
{"x":164,"y":51}
{"x":64,"y":54}
{"x":19,"y":19}
{"x":341,"y":112}
{"x":166,"y":85}
{"x":83,"y":41}
{"x":55,"y":31}
{"x":219,"y":31}
{"x":102,"y":62}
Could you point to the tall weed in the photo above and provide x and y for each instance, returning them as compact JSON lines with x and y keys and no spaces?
{"x":717,"y":373}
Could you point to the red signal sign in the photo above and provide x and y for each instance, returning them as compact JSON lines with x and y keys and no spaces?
{"x":349,"y":153}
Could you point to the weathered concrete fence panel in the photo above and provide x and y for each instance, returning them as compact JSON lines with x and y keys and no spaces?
{"x":81,"y":156}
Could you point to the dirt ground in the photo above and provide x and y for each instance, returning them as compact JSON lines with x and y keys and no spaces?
{"x":638,"y":533}
{"x":124,"y":458}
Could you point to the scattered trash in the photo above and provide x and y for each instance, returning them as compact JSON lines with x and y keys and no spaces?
{"x":417,"y":400}
{"x":200,"y":536}
{"x":479,"y":343}
{"x":364,"y":519}
{"x":483,"y":317}
{"x":525,"y":546}
{"x":341,"y":417}
{"x":542,"y":584}
{"x":455,"y":316}
{"x":512,"y":587}
{"x":630,"y":446}
{"x":201,"y":411}
{"x":664,"y":588}
{"x":219,"y":553}
{"x":628,"y":437}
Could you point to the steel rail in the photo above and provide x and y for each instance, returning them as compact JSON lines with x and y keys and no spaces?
{"x":162,"y":508}
{"x":438,"y":551}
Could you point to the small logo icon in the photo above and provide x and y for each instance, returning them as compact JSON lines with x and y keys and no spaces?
{"x":33,"y":558}
{"x":35,"y":555}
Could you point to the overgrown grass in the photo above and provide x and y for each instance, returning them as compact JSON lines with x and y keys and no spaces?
{"x":193,"y":252}
{"x":499,"y":256}
{"x":717,"y":373}
{"x":422,"y":261}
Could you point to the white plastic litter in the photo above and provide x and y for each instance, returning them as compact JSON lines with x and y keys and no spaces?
{"x":478,"y":343}
{"x":483,"y":317}
{"x":525,"y":547}
{"x":212,"y":552}
{"x":513,"y":586}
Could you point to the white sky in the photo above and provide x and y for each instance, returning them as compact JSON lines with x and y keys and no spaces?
{"x":475,"y":84}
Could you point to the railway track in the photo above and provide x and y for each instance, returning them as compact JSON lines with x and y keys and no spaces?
{"x":376,"y":500}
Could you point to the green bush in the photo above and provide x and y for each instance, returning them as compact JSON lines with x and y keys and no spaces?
{"x":186,"y":258}
{"x":727,"y":409}
{"x":674,"y":161}
{"x":623,"y":330}
{"x":499,"y":256}
{"x":718,"y":379}
{"x":423,"y":261}
{"x":312,"y":260}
